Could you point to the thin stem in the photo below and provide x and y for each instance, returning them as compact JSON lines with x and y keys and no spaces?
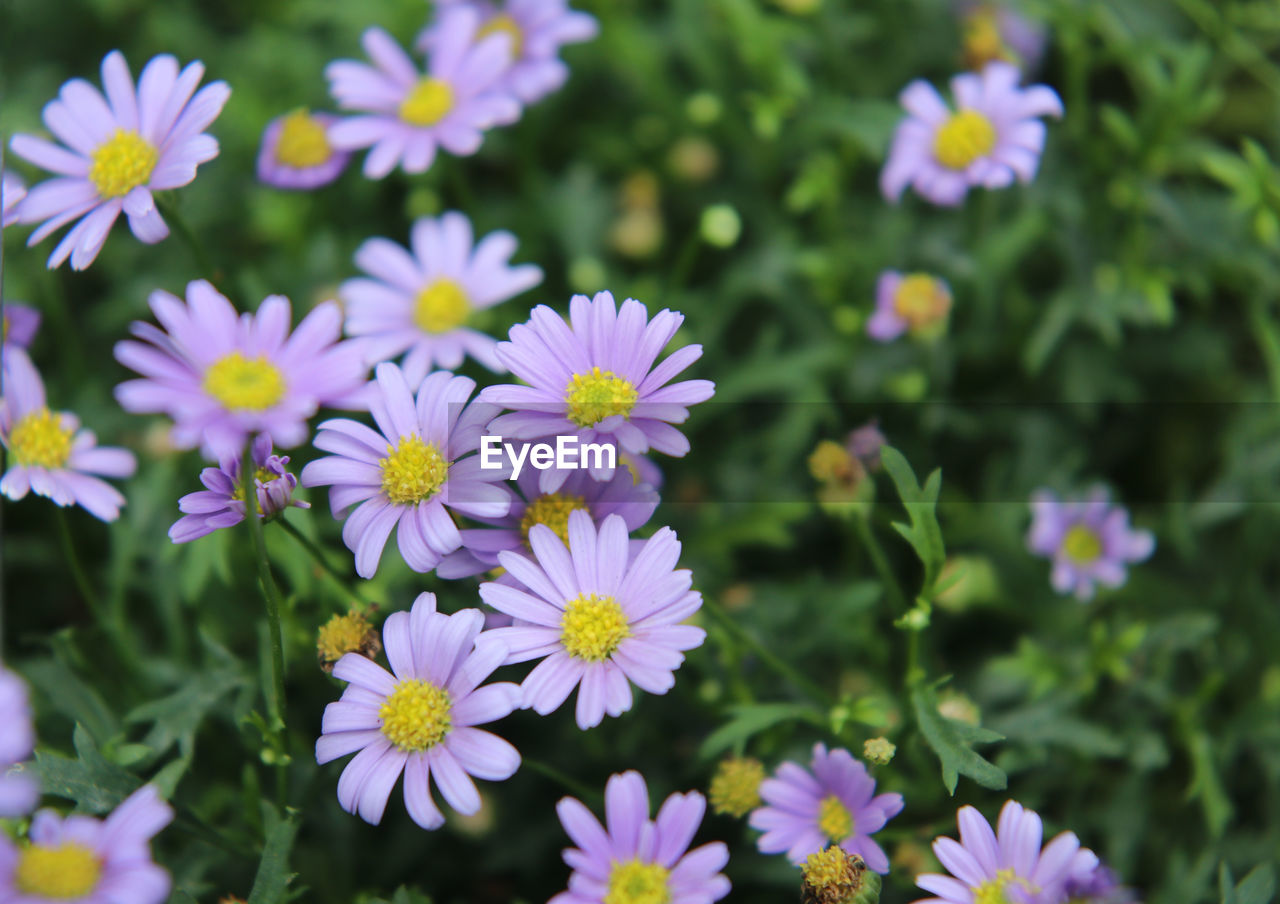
{"x":203,"y":263}
{"x":77,"y":571}
{"x":767,"y":656}
{"x":1264,"y":329}
{"x":880,"y":562}
{"x":270,"y":593}
{"x":318,"y":556}
{"x":572,"y":784}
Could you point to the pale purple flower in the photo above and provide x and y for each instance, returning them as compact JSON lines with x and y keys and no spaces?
{"x":419,"y":301}
{"x":82,"y":860}
{"x":638,"y":859}
{"x":223,"y":376}
{"x":1089,"y":541}
{"x":835,"y":803}
{"x":49,"y":454}
{"x":12,"y":191}
{"x":296,"y":153}
{"x":1005,"y":865}
{"x":221,"y":503}
{"x":1097,"y":884}
{"x":991,"y":139}
{"x":597,"y":616}
{"x":594,"y":377}
{"x":915,"y":302}
{"x":405,"y":113}
{"x":119,"y":150}
{"x":996,"y":31}
{"x":19,"y":791}
{"x":20,"y":326}
{"x":865,"y":443}
{"x":420,"y":717}
{"x":411,"y":472}
{"x":537,"y":28}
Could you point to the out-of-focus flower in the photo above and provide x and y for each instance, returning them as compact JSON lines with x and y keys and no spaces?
{"x":915,"y":302}
{"x":878,"y":750}
{"x":405,"y":113}
{"x":223,"y":376}
{"x":1097,"y":884}
{"x":12,"y":191}
{"x":865,"y":443}
{"x":19,"y":791}
{"x":343,"y":634}
{"x":834,"y":876}
{"x":959,"y":706}
{"x":419,"y":301}
{"x":597,"y":616}
{"x":992,"y":138}
{"x":296,"y":153}
{"x":721,"y":225}
{"x":1089,"y":541}
{"x":420,"y":717}
{"x":119,"y":149}
{"x":637,"y":232}
{"x":693,"y":159}
{"x":20,"y":325}
{"x":735,"y":787}
{"x":995,"y":32}
{"x":49,"y":454}
{"x":834,"y":803}
{"x":638,"y":860}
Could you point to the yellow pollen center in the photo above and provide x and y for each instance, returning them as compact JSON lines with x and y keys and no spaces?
{"x":1081,"y":544}
{"x":122,"y":163}
{"x":413,"y":471}
{"x":993,"y":890}
{"x":735,"y":788}
{"x":832,"y":873}
{"x":244,"y":384}
{"x":427,"y":102}
{"x":342,"y":634}
{"x":634,"y":882}
{"x":600,"y":394}
{"x":262,"y":475}
{"x":416,"y":716}
{"x":441,"y":307}
{"x":303,"y":141}
{"x":39,"y":440}
{"x":507,"y":25}
{"x":551,"y":509}
{"x":963,"y":138}
{"x":921,"y":300}
{"x":592,"y":627}
{"x":982,"y":40}
{"x":63,"y":873}
{"x":834,"y":819}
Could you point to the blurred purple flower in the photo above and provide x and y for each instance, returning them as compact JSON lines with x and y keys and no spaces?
{"x":1089,"y":540}
{"x":12,"y":191}
{"x":995,"y":31}
{"x":865,"y":443}
{"x":296,"y":153}
{"x":20,"y":326}
{"x":914,"y":302}
{"x":1098,"y":884}
{"x":19,"y":791}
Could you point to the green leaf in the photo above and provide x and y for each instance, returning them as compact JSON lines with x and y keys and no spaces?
{"x":176,"y":718}
{"x":1259,"y":887}
{"x":923,"y":533}
{"x":273,"y":870}
{"x":752,"y":718}
{"x":95,"y":785}
{"x":71,"y":697}
{"x":952,"y":740}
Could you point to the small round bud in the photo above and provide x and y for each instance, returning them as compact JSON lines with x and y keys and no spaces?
{"x":735,"y":788}
{"x":878,"y":750}
{"x":721,"y":226}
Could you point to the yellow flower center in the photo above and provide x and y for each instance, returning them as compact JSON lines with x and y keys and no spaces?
{"x":303,"y":141}
{"x":122,"y":163}
{"x":634,"y":882}
{"x":966,"y":136}
{"x":551,"y":509}
{"x":63,"y":873}
{"x":39,"y":440}
{"x":441,"y":307}
{"x":834,"y":819}
{"x":507,"y":25}
{"x":600,"y":394}
{"x":244,"y":384}
{"x":343,"y":634}
{"x":993,"y":890}
{"x":427,"y":102}
{"x":413,"y":471}
{"x":262,"y":475}
{"x":592,"y":627}
{"x":921,"y":300}
{"x":1082,"y":544}
{"x":982,"y":41}
{"x":416,"y":716}
{"x":735,"y":788}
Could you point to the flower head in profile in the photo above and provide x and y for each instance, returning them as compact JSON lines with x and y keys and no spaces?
{"x":914,"y":303}
{"x":49,"y":454}
{"x":117,"y":151}
{"x":1089,"y":541}
{"x":343,"y":634}
{"x":12,"y":191}
{"x":223,"y":376}
{"x":411,"y":472}
{"x":419,"y":301}
{"x":84,"y":860}
{"x":405,"y":114}
{"x":1007,"y":865}
{"x":595,"y":377}
{"x":19,"y":791}
{"x":221,"y":503}
{"x":638,"y":860}
{"x":296,"y":153}
{"x":420,"y":718}
{"x":995,"y":31}
{"x":834,"y":802}
{"x":20,"y":326}
{"x":598,"y":616}
{"x":993,"y":137}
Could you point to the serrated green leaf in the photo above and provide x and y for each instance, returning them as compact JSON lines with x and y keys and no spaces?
{"x":751,"y":719}
{"x":923,"y":533}
{"x":951,"y":741}
{"x":176,"y":718}
{"x":273,"y":877}
{"x":95,"y":785}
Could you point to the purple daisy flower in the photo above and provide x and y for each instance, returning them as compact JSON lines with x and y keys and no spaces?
{"x":407,"y":113}
{"x":1089,"y":540}
{"x":221,"y":504}
{"x":420,"y":717}
{"x":595,"y":377}
{"x":20,"y":326}
{"x":835,"y":803}
{"x":638,"y":859}
{"x":296,"y":153}
{"x":12,"y":191}
{"x":411,"y":472}
{"x":992,"y":138}
{"x":1097,"y":883}
{"x":223,"y":376}
{"x":420,"y":301}
{"x":917,"y":302}
{"x":994,"y":31}
{"x":19,"y":791}
{"x":118,"y":151}
{"x":49,"y":454}
{"x":596,"y":615}
{"x":537,"y":28}
{"x":1005,"y":865}
{"x":82,"y":860}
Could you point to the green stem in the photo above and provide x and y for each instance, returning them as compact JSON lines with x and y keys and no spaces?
{"x":584,"y":793}
{"x":203,"y":263}
{"x":270,"y":593}
{"x":317,"y":555}
{"x":767,"y":656}
{"x":77,"y":571}
{"x":881,"y":563}
{"x":1268,"y":341}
